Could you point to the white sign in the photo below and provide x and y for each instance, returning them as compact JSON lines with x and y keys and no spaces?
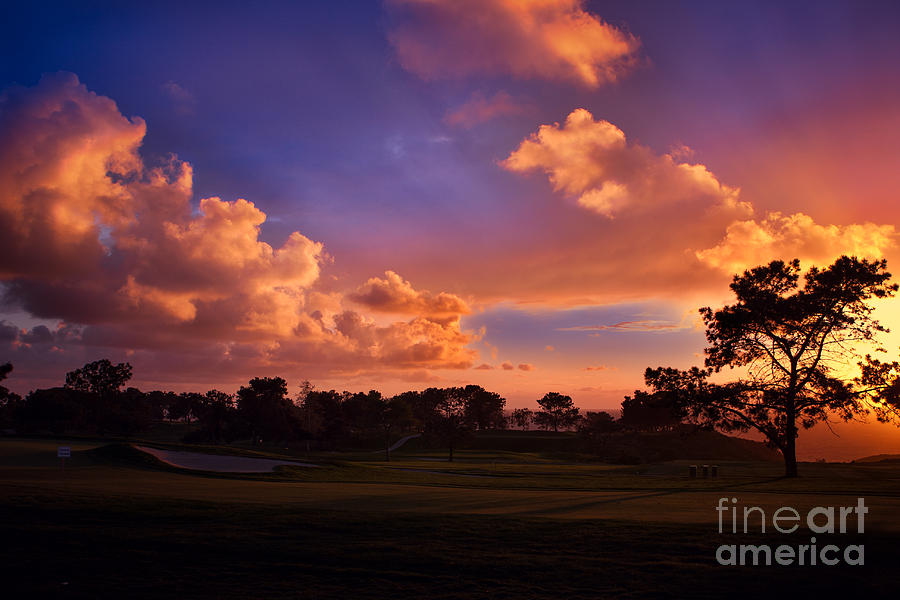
{"x":64,"y":452}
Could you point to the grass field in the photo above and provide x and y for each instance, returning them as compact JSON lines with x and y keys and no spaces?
{"x":115,"y":523}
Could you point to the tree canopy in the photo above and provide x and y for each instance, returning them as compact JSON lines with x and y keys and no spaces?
{"x":99,"y":377}
{"x":557,"y":412}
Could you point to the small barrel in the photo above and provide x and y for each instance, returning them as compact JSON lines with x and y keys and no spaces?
{"x":705,"y":469}
{"x":714,"y":470}
{"x":692,"y":471}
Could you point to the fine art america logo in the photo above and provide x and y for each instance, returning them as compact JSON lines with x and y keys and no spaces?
{"x":820,"y":520}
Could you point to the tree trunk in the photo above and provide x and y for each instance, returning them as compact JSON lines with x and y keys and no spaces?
{"x":451,"y":452}
{"x":790,"y":463}
{"x":789,"y":450}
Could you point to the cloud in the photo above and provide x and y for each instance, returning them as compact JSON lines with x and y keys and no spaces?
{"x":395,"y":295}
{"x":672,"y":229}
{"x":749,"y":243}
{"x":484,"y":367}
{"x":8,"y":332}
{"x":507,"y":366}
{"x":90,"y":233}
{"x":639,"y":325}
{"x":478,"y":109}
{"x":525,"y":367}
{"x":593,"y":162}
{"x":117,"y":251}
{"x":547,"y":39}
{"x":599,"y":368}
{"x":182,"y":100}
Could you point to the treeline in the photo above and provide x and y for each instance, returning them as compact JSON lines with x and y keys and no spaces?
{"x":95,"y":400}
{"x":642,"y":412}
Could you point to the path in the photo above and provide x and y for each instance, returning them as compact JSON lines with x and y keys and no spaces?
{"x":219,"y":462}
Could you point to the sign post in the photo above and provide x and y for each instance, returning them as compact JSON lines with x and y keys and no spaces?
{"x":64,"y":452}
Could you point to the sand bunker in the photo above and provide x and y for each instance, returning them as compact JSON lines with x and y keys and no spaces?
{"x":218,"y":462}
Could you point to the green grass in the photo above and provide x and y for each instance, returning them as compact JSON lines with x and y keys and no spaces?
{"x":492,"y":524}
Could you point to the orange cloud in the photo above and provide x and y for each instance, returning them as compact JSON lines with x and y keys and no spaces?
{"x":549,"y":39}
{"x":592,"y":161}
{"x":355,"y":342}
{"x":507,"y":366}
{"x":479,"y":109}
{"x":526,"y":367}
{"x":91,"y":235}
{"x":750,"y":243}
{"x":395,"y":295}
{"x":60,"y":150}
{"x":678,"y":232}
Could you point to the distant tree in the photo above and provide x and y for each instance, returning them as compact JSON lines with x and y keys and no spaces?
{"x":9,"y":401}
{"x":792,"y":342}
{"x":522,"y":417}
{"x":185,"y":406}
{"x":426,"y":407}
{"x":595,"y":428}
{"x":160,"y":402}
{"x":5,"y":370}
{"x":413,"y":400}
{"x":599,"y":422}
{"x":396,"y":413}
{"x":265,"y":405}
{"x":129,"y":413}
{"x":363,"y":413}
{"x":59,"y":410}
{"x":322,"y":413}
{"x":450,"y":421}
{"x":108,"y":409}
{"x":100,"y":377}
{"x":215,"y":412}
{"x":483,"y":409}
{"x":650,"y":412}
{"x":557,"y":412}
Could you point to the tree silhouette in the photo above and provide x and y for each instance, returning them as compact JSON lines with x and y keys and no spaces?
{"x":323,"y":415}
{"x":214,"y":411}
{"x":99,"y":386}
{"x":264,"y":404}
{"x":557,"y":412}
{"x":790,"y":342}
{"x":99,"y":377}
{"x":483,"y":409}
{"x":522,"y":417}
{"x":595,"y":429}
{"x":5,"y":370}
{"x":396,"y":413}
{"x":9,"y":402}
{"x":449,"y":421}
{"x":650,"y":412}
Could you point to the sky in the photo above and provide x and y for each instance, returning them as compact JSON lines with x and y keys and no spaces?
{"x":531,"y":196}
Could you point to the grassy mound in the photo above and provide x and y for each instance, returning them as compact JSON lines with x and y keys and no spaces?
{"x":126,"y":455}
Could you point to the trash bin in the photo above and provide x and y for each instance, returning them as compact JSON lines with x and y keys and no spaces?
{"x":692,"y":471}
{"x":714,"y":470}
{"x":705,"y":471}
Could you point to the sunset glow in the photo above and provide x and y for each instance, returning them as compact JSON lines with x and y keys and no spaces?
{"x":529,"y":196}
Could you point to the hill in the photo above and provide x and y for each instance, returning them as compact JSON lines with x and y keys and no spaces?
{"x":629,"y":447}
{"x":879,"y":458}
